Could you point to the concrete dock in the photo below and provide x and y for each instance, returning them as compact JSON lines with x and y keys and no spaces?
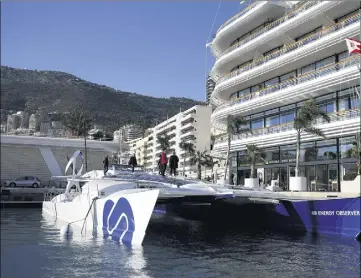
{"x":26,"y":197}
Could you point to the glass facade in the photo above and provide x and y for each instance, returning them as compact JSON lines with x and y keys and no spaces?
{"x":323,"y":163}
{"x":330,"y":103}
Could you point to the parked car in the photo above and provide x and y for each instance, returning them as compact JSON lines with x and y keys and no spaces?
{"x":27,"y":181}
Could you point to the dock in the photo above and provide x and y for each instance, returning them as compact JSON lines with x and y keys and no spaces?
{"x":26,"y":197}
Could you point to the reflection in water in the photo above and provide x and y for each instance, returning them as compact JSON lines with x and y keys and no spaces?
{"x":172,"y":248}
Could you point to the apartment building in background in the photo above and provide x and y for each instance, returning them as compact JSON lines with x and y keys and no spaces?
{"x":192,"y":125}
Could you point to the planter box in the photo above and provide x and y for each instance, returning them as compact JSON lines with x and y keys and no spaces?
{"x":351,"y":186}
{"x":298,"y":184}
{"x":251,"y":183}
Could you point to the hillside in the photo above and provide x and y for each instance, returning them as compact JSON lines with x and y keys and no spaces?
{"x":51,"y":91}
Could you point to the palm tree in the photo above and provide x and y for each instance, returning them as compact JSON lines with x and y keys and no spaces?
{"x":355,"y":151}
{"x":210,"y":162}
{"x":304,"y":121}
{"x":235,"y":125}
{"x":188,"y":149}
{"x":253,"y":155}
{"x":79,"y":122}
{"x":199,"y":159}
{"x":163,"y":140}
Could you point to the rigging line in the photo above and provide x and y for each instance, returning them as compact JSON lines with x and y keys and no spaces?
{"x":209,"y":35}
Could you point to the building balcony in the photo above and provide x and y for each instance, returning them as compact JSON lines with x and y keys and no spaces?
{"x":292,"y":18}
{"x":343,"y":123}
{"x":246,"y":20}
{"x":333,"y":77}
{"x":291,"y":53}
{"x":187,"y":126}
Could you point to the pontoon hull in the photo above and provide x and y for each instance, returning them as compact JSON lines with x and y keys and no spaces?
{"x":123,"y":216}
{"x":328,"y":216}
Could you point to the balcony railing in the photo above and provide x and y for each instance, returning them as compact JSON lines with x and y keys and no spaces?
{"x":335,"y":116}
{"x":272,"y":25}
{"x":291,"y":47}
{"x":238,"y":15}
{"x":321,"y":72}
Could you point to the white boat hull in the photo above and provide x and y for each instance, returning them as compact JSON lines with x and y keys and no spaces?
{"x":123,"y":216}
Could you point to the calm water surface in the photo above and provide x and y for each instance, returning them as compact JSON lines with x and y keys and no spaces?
{"x":31,"y":247}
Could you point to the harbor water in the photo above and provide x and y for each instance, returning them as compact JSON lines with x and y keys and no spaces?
{"x":32,"y":247}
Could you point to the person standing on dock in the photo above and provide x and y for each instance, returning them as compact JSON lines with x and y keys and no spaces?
{"x":106,"y":164}
{"x":163,"y":162}
{"x":159,"y":165}
{"x":133,"y":162}
{"x":173,"y":164}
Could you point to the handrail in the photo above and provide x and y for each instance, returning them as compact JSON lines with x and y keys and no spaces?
{"x":334,"y":116}
{"x":270,"y":26}
{"x":239,"y":14}
{"x":293,"y":46}
{"x":350,"y":61}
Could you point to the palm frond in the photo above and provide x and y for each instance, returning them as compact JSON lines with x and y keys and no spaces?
{"x":315,"y":131}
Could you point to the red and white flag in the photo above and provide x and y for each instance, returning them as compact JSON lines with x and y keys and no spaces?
{"x":354,"y":46}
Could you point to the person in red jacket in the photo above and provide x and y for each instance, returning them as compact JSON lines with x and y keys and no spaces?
{"x":163,"y":162}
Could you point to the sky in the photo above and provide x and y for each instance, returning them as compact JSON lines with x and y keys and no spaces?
{"x":150,"y":48}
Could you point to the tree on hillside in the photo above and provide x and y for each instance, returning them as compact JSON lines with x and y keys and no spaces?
{"x":79,"y":122}
{"x":304,"y":121}
{"x":189,"y":149}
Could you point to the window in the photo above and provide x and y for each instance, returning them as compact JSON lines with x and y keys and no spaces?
{"x":325,"y":62}
{"x":308,"y":68}
{"x":328,"y":107}
{"x":233,"y":96}
{"x":346,"y":144}
{"x":242,"y":158}
{"x":288,"y":153}
{"x":244,"y":92}
{"x":308,"y":152}
{"x":272,"y":155}
{"x":326,"y":150}
{"x":257,"y":88}
{"x":271,"y":82}
{"x":287,"y":117}
{"x":273,"y":120}
{"x":308,"y":34}
{"x":255,"y":124}
{"x":342,"y":56}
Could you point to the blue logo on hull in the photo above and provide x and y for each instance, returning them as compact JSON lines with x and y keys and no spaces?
{"x":118,"y":220}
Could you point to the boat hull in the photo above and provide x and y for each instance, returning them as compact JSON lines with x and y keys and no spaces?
{"x":122,"y":216}
{"x":328,"y":216}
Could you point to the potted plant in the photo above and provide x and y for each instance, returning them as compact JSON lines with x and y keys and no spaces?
{"x":235,"y":125}
{"x":303,"y":123}
{"x":253,"y":155}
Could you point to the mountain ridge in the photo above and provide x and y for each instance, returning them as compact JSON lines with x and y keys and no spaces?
{"x":56,"y":91}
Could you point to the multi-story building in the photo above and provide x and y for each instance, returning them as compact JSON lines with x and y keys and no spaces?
{"x":192,"y":125}
{"x":209,"y":89}
{"x":128,"y":133}
{"x":270,"y":58}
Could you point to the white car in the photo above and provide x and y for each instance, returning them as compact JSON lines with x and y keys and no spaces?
{"x":27,"y":181}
